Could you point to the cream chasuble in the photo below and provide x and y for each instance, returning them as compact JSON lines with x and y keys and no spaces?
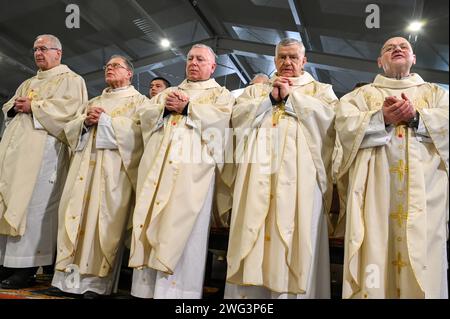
{"x":56,"y":95}
{"x":176,"y":172}
{"x":99,"y":193}
{"x":397,"y":196}
{"x":34,"y":162}
{"x":282,"y":190}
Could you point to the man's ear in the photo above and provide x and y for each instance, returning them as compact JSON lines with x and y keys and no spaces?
{"x":213,"y":67}
{"x":414,"y":59}
{"x":379,"y":63}
{"x":59,"y":52}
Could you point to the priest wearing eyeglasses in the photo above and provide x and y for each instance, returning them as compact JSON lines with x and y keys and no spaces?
{"x":34,"y":160}
{"x":99,"y":193}
{"x":394,"y":134}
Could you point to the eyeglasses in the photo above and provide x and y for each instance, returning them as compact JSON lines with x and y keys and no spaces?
{"x":42,"y":49}
{"x":114,"y":66}
{"x":392,"y":47}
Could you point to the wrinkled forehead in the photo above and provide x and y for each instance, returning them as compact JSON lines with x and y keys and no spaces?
{"x":396,"y":41}
{"x":117,"y":60}
{"x":201,"y":52}
{"x":290,"y":49}
{"x":42,"y":41}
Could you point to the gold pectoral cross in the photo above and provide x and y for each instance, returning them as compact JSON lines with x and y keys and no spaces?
{"x":399,"y":215}
{"x":278,"y":113}
{"x":401,"y":170}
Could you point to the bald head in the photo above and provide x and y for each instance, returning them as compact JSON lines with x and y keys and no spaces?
{"x":395,"y":41}
{"x":260,"y":78}
{"x":396,"y":57}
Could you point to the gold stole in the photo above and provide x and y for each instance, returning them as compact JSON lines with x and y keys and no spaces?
{"x":278,"y":113}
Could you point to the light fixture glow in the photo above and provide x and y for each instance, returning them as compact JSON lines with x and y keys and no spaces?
{"x":165,"y":43}
{"x":415,"y":26}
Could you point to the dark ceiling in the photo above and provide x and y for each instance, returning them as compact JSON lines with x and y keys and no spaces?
{"x":341,"y":50}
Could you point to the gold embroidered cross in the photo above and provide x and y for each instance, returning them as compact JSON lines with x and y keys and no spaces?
{"x":401,"y":170}
{"x":399,"y":215}
{"x":399,"y":263}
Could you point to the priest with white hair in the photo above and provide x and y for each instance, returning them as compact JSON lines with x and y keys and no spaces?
{"x":34,"y":159}
{"x":184,"y":134}
{"x":278,"y":244}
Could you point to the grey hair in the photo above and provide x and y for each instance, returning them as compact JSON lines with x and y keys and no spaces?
{"x":263,"y":75}
{"x":260,"y":75}
{"x":204,"y":46}
{"x":289,"y":41}
{"x":54,"y":40}
{"x":127,"y":61}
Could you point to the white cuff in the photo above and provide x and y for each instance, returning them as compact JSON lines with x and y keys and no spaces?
{"x":190,"y":123}
{"x":289,"y":109}
{"x":82,"y":141}
{"x":159,"y":124}
{"x":376,"y":124}
{"x":421,"y":129}
{"x":265,"y":106}
{"x":37,"y":125}
{"x":261,"y":112}
{"x":377,"y":134}
{"x":105,"y":138}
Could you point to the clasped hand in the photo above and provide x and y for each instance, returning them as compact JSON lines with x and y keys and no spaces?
{"x":176,"y":101}
{"x":22,"y":105}
{"x":281,"y":88}
{"x":397,"y":110}
{"x":93,"y":115}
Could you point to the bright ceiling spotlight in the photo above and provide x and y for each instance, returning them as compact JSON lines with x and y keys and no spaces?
{"x":415,"y":26}
{"x":165,"y":43}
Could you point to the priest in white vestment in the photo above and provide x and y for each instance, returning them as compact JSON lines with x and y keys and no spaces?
{"x":184,"y":132}
{"x":34,"y":159}
{"x":278,"y":245}
{"x":99,"y":192}
{"x":394,"y":134}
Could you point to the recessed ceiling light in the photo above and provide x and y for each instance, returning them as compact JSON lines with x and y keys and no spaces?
{"x":165,"y":43}
{"x":415,"y":26}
